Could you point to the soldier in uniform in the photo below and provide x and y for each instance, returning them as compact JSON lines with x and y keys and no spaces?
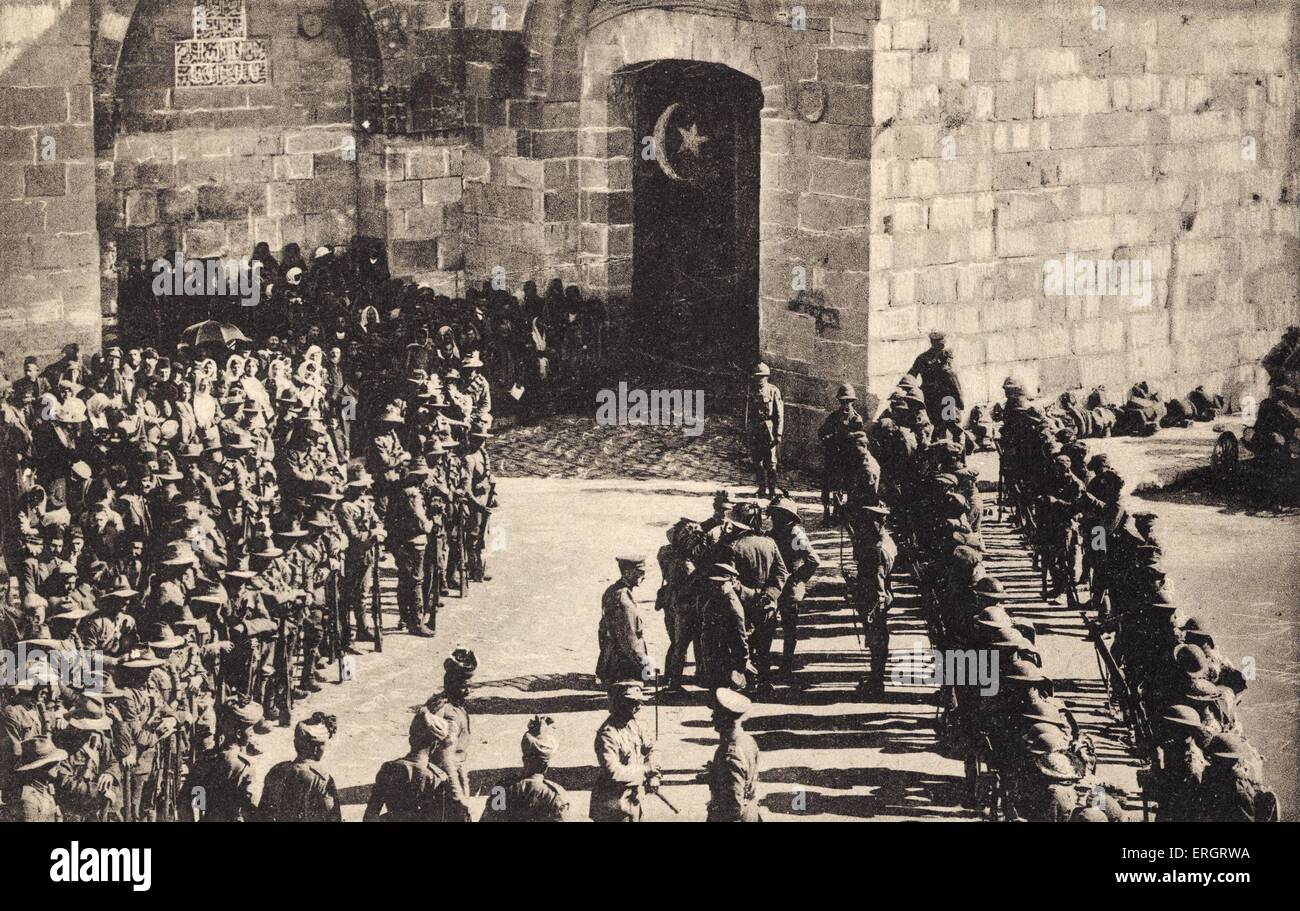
{"x":453,"y":756}
{"x":20,"y":720}
{"x":625,"y":758}
{"x":408,"y":527}
{"x":801,"y":560}
{"x":361,"y":526}
{"x":531,"y":796}
{"x":764,"y":426}
{"x":86,"y":784}
{"x":414,"y":788}
{"x":732,"y":774}
{"x":147,"y":725}
{"x":1232,"y":788}
{"x":837,"y":448}
{"x":874,"y":552}
{"x":220,"y":786}
{"x":940,"y":387}
{"x":300,"y":790}
{"x":480,"y":395}
{"x":623,"y":651}
{"x":35,"y":772}
{"x":480,"y":500}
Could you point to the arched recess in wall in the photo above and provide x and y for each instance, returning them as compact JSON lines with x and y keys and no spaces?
{"x":214,"y":162}
{"x":556,"y":31}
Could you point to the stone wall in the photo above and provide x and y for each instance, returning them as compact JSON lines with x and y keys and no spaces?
{"x":211,"y":171}
{"x":1011,"y":135}
{"x":49,"y":250}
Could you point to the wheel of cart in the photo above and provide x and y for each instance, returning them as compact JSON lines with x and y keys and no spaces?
{"x":1225,"y":460}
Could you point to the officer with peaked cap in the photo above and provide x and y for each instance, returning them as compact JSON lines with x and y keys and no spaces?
{"x":414,"y":788}
{"x":223,"y":774}
{"x":300,"y":790}
{"x":625,"y":758}
{"x":732,"y":774}
{"x":453,"y":755}
{"x":623,"y":651}
{"x":764,"y":427}
{"x":530,"y":796}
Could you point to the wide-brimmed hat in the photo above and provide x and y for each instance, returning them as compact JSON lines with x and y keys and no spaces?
{"x":1058,"y":766}
{"x":722,"y":571}
{"x":1182,"y":716}
{"x":470,"y":362}
{"x":1200,"y":689}
{"x":730,"y":703}
{"x":90,"y":716}
{"x":761,"y":369}
{"x":295,"y":530}
{"x":628,"y":691}
{"x":989,"y":590}
{"x":392,"y":414}
{"x":1229,"y":746}
{"x":120,"y":587}
{"x":37,"y":753}
{"x":785,"y":505}
{"x":178,"y":553}
{"x":161,"y":635}
{"x":359,"y":477}
{"x":264,"y":548}
{"x":846,"y":393}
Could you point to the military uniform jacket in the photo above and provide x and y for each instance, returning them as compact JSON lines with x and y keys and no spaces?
{"x":359,"y":521}
{"x":77,"y":779}
{"x":765,"y":415}
{"x":17,"y":723}
{"x":454,"y":756}
{"x":733,"y":780}
{"x":226,"y":777}
{"x":413,"y":791}
{"x":624,"y":755}
{"x":299,"y":791}
{"x":531,"y":799}
{"x":480,"y":395}
{"x":798,"y":554}
{"x":762,"y":571}
{"x":623,"y":651}
{"x":35,"y":803}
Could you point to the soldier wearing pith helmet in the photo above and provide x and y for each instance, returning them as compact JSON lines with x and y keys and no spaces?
{"x":764,"y":427}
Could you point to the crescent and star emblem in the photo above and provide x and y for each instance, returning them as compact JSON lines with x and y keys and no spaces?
{"x":692,"y":142}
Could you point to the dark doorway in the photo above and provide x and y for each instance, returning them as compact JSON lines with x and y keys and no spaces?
{"x":695,"y":181}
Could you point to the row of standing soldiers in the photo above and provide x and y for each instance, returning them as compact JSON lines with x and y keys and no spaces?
{"x":1174,"y":688}
{"x":188,"y":566}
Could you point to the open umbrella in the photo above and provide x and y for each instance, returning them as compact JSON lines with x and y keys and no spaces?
{"x":212,"y":332}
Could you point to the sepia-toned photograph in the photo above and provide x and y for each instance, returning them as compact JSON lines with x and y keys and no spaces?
{"x":650,"y":411}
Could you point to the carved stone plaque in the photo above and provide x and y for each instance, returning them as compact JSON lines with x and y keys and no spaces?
{"x":221,"y":53}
